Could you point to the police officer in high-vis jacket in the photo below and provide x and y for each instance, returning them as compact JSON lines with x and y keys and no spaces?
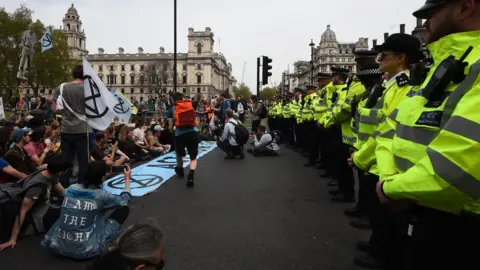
{"x":433,"y":159}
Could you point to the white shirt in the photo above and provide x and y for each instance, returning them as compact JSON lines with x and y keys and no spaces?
{"x":240,"y":108}
{"x":139,"y":136}
{"x":229,"y":132}
{"x":266,"y":141}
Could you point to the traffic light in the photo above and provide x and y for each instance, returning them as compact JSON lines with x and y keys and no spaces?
{"x":266,"y":69}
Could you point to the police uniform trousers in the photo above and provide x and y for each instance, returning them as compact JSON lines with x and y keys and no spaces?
{"x":287,"y":130}
{"x":441,"y":240}
{"x":314,"y":146}
{"x":307,"y":131}
{"x":389,"y":231}
{"x":270,"y":123}
{"x":298,"y":135}
{"x":342,"y":172}
{"x":366,"y":192}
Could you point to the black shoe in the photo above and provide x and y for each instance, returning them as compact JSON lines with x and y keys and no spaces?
{"x":366,"y":261}
{"x":332,"y":183}
{"x":364,"y":246}
{"x":319,"y":167}
{"x":353,"y":212}
{"x":334,"y":191}
{"x":326,"y":175}
{"x":241,"y":155}
{"x":309,"y":164}
{"x":179,"y":172}
{"x":340,"y":198}
{"x":361,"y":223}
{"x":190,"y":181}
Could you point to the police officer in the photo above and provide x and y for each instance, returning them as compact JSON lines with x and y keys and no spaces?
{"x":433,"y":162}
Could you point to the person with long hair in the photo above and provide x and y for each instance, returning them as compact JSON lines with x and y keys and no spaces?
{"x":82,"y":230}
{"x":139,"y":247}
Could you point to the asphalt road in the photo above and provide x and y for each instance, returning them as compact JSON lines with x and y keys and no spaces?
{"x":259,"y":213}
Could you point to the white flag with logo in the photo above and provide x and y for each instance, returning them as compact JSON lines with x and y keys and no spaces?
{"x":122,"y":108}
{"x":99,"y":101}
{"x":47,"y":40}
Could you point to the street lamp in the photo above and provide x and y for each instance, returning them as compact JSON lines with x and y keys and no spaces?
{"x":312,"y":46}
{"x":175,"y":45}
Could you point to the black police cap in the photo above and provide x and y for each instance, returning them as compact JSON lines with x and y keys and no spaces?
{"x":323,"y":76}
{"x":297,"y":90}
{"x":425,"y":12}
{"x":402,"y":43}
{"x":339,"y":70}
{"x":311,"y":87}
{"x":370,"y":69}
{"x":365,"y":53}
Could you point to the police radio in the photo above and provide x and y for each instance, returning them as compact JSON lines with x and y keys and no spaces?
{"x":354,"y":106}
{"x":450,"y":70}
{"x":375,"y":94}
{"x":334,"y":97}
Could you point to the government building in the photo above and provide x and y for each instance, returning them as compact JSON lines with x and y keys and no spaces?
{"x":200,"y":71}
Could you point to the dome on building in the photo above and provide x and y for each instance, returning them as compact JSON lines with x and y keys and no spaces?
{"x":72,"y":9}
{"x":328,"y":35}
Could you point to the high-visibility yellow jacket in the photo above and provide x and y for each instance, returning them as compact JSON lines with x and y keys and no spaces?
{"x":298,"y":115}
{"x":332,"y":94}
{"x":307,"y":110}
{"x":294,"y":108}
{"x":342,"y":111}
{"x":319,"y":105}
{"x":396,"y":90}
{"x":437,"y":144}
{"x":285,"y":113}
{"x":362,"y":133}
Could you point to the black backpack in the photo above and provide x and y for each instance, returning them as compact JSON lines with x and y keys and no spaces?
{"x":263,"y":111}
{"x":241,"y":134}
{"x":16,"y":190}
{"x":276,"y":137}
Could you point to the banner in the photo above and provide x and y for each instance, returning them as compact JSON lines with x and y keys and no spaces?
{"x":123,"y":108}
{"x":99,"y":101}
{"x":47,"y":40}
{"x":150,"y":176}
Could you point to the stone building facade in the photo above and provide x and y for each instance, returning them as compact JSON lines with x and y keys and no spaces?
{"x":200,"y":70}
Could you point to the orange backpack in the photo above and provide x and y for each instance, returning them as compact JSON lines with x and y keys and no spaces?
{"x":184,"y":114}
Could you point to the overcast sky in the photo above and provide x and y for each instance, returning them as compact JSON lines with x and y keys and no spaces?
{"x":280,"y":29}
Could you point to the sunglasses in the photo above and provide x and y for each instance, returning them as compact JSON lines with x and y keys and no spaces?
{"x":381,"y":56}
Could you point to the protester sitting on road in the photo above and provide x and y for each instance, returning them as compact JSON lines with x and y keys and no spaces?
{"x":82,"y":230}
{"x":128,"y":146}
{"x":152,"y":141}
{"x":185,"y":137}
{"x":227,"y":142}
{"x":35,"y":201}
{"x":139,"y":133}
{"x":36,"y":149}
{"x":99,"y":149}
{"x":139,"y":247}
{"x":265,"y":144}
{"x":17,"y":157}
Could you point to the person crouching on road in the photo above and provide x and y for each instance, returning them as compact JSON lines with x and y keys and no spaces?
{"x":82,"y":230}
{"x":227,"y":142}
{"x":265,"y":144}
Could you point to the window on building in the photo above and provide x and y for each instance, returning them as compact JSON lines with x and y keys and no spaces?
{"x":199,"y":66}
{"x":100,"y":67}
{"x":122,"y":90}
{"x":132,"y":79}
{"x":330,"y":51}
{"x":199,"y":90}
{"x":101,"y":77}
{"x":111,"y":68}
{"x":142,"y":67}
{"x":142,"y":79}
{"x":199,"y":78}
{"x":132,"y":90}
{"x":50,"y":91}
{"x":184,"y":67}
{"x":199,"y":48}
{"x":123,"y":80}
{"x":184,"y":79}
{"x":123,"y":67}
{"x":132,"y":67}
{"x":337,"y":60}
{"x":184,"y":90}
{"x":141,"y":90}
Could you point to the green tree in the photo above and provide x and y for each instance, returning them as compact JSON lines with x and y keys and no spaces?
{"x":268,"y":93}
{"x":242,"y":90}
{"x":48,"y":69}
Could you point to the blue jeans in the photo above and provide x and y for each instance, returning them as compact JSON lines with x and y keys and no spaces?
{"x":77,"y":144}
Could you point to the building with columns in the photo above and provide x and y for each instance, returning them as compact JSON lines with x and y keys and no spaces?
{"x":200,"y":70}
